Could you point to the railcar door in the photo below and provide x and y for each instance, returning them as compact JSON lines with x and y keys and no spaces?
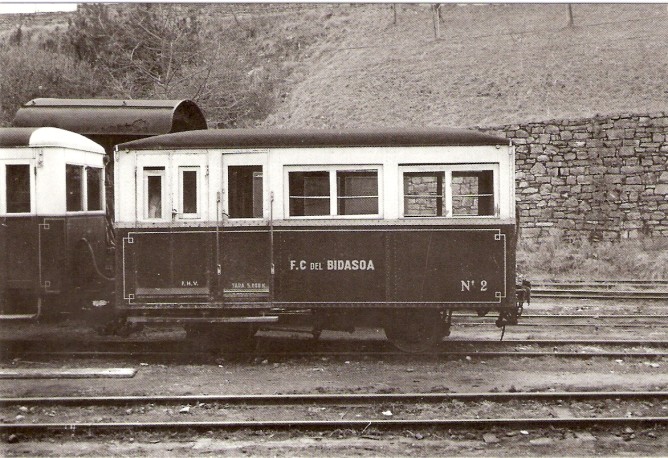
{"x":245,"y":247}
{"x":172,"y":255}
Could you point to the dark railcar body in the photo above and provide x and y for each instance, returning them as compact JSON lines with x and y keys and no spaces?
{"x":455,"y":267}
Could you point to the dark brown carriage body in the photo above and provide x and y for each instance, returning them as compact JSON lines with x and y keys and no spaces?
{"x":45,"y":257}
{"x":352,"y":267}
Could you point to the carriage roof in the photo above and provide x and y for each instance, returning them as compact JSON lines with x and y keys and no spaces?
{"x":35,"y":137}
{"x":283,"y":138}
{"x":123,"y":118}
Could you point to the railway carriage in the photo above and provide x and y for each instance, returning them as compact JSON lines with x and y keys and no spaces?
{"x":227,"y":230}
{"x":52,"y":220}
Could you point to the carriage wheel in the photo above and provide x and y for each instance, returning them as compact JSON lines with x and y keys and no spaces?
{"x":415,"y":331}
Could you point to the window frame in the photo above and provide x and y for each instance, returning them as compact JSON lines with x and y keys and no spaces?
{"x":448,"y":169}
{"x":227,"y":194}
{"x":4,"y":204}
{"x":84,"y":190}
{"x":102,"y":190}
{"x":198,"y":191}
{"x":242,"y":158}
{"x":151,"y":171}
{"x":333,"y":197}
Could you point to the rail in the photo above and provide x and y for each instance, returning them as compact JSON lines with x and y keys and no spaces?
{"x":600,"y":289}
{"x":342,"y":400}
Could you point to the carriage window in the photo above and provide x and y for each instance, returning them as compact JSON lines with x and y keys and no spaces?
{"x":74,"y":187}
{"x":473,"y":193}
{"x":309,"y":193}
{"x":423,"y":194}
{"x":94,"y":188}
{"x":18,"y":188}
{"x":245,"y":191}
{"x":153,"y":192}
{"x":357,"y":192}
{"x":188,"y":177}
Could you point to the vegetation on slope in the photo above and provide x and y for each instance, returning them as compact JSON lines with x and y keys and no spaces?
{"x":494,"y":65}
{"x":344,"y":65}
{"x":235,"y":64}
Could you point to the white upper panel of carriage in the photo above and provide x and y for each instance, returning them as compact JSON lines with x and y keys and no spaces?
{"x":49,"y":171}
{"x":332,"y":185}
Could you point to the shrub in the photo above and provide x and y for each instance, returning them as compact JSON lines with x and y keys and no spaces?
{"x":28,"y":72}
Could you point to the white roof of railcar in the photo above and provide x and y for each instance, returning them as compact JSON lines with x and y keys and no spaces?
{"x":41,"y":137}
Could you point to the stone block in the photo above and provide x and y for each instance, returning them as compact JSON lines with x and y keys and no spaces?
{"x":615,"y":134}
{"x":565,"y":135}
{"x":571,"y":202}
{"x":627,"y":151}
{"x":628,"y":169}
{"x":613,"y":179}
{"x":538,"y":169}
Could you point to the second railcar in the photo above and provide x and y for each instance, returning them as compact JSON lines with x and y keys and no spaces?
{"x":229,"y":229}
{"x":52,"y":221}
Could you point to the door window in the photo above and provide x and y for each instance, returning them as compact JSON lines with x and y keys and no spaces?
{"x":245,"y":191}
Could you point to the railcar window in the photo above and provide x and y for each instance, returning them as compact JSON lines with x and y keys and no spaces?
{"x":245,"y":191}
{"x":188,"y":190}
{"x":153,"y":192}
{"x":74,"y":187}
{"x":309,"y":193}
{"x":94,"y":188}
{"x":473,"y":193}
{"x":424,"y":194}
{"x":18,"y":188}
{"x":357,"y":192}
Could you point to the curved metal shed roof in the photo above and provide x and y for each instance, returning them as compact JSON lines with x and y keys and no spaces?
{"x":34,"y":137}
{"x":276,"y":138}
{"x":125,"y":118}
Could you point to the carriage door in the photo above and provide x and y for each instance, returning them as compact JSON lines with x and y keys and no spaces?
{"x":174,"y":258}
{"x":245,"y":247}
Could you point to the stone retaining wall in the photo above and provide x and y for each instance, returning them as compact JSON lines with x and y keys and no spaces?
{"x":600,"y":178}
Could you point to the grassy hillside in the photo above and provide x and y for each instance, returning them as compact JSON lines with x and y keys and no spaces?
{"x":348,"y":65}
{"x":494,"y":64}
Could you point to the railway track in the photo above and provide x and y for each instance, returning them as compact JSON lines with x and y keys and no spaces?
{"x":414,"y":410}
{"x":175,"y":350}
{"x":601,"y":289}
